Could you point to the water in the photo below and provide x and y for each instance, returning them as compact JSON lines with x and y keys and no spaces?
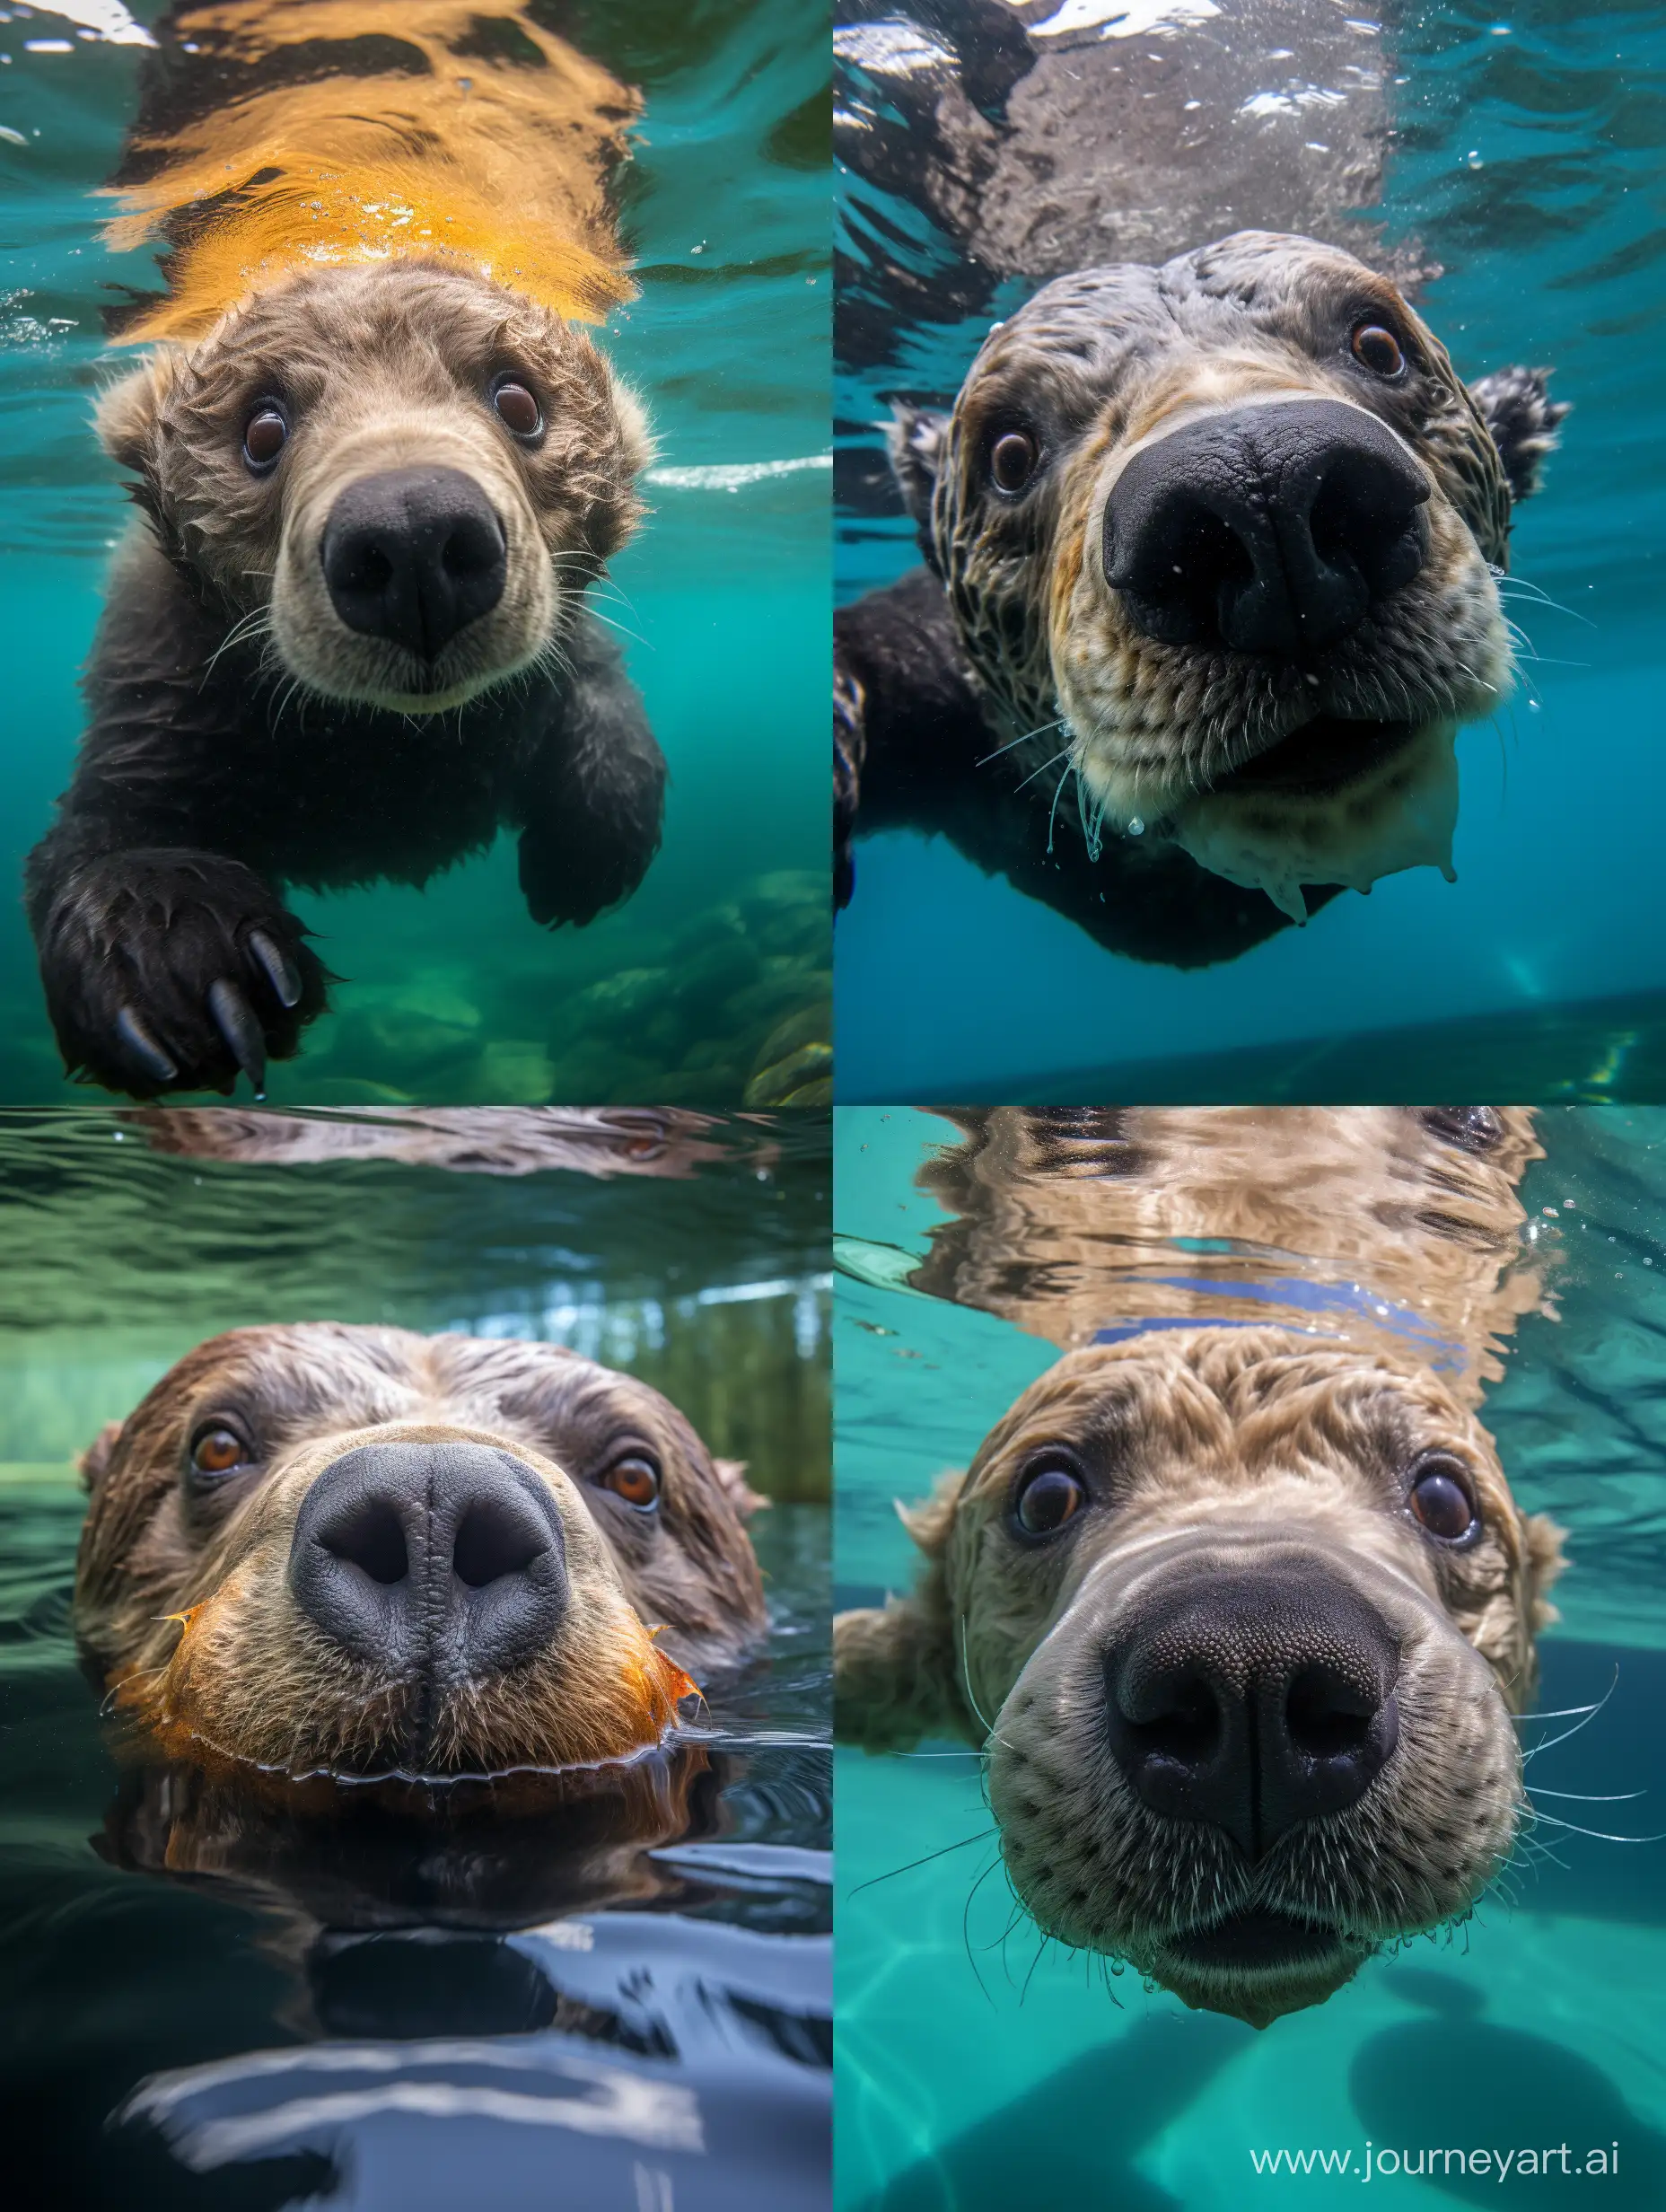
{"x":975,"y":2071}
{"x":593,"y":2000}
{"x":1525,"y":158}
{"x":453,"y":994}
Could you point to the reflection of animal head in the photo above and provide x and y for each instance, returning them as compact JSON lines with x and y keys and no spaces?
{"x":488,"y":1856}
{"x":1242,"y":1614}
{"x":361,"y":1551}
{"x":369,"y":428}
{"x":664,"y":1142}
{"x":1065,"y":1220}
{"x":1236,"y":521}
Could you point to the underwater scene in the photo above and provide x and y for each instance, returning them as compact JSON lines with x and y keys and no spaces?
{"x":1503,"y":166}
{"x":982,"y":2063}
{"x":714,"y":975}
{"x":610,"y":1987}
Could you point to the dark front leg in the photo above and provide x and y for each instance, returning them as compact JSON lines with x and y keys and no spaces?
{"x":912,"y":749}
{"x":168,"y":970}
{"x":591,"y":799}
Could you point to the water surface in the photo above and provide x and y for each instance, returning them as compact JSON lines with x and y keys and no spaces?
{"x":617,"y":1997}
{"x":977,"y":2069}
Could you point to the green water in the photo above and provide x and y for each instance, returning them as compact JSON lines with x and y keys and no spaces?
{"x":452,"y":994}
{"x":699,"y":1971}
{"x":976,"y":2071}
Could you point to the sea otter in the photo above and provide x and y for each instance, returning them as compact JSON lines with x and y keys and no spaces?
{"x":1219,"y":543}
{"x":378,"y":464}
{"x":1235,"y":1597}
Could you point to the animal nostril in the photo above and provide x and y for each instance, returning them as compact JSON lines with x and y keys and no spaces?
{"x":1265,"y":529}
{"x":368,"y":568}
{"x":371,"y":1537}
{"x":1325,"y":1717}
{"x":1187,"y":1729}
{"x":491,"y":1543}
{"x":470,"y":549}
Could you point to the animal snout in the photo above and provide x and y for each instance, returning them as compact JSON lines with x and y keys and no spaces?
{"x":438,"y":1558}
{"x":1254,"y":1700}
{"x":414,"y":556}
{"x":1268,"y":530}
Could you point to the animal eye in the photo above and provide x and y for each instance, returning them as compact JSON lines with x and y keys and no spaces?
{"x":636,"y":1479}
{"x":264,"y":435}
{"x":1440,"y":1500}
{"x":1049,"y":1495}
{"x":1012,"y":460}
{"x":1377,"y":348}
{"x":517,"y":408}
{"x":218,"y":1450}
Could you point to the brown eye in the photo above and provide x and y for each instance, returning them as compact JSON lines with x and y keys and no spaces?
{"x":636,"y":1479}
{"x":1378,"y":349}
{"x":217,"y":1451}
{"x":1051,"y":1494}
{"x":1012,"y":460}
{"x":518,"y":408}
{"x":264,"y":436}
{"x":1440,"y":1499}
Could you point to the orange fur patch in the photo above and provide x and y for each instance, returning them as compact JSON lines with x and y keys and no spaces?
{"x":493,"y":161}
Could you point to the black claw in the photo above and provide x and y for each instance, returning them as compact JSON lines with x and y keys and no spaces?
{"x":234,"y":1019}
{"x":143,"y":1046}
{"x":281,"y":971}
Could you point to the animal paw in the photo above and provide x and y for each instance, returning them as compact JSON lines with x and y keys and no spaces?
{"x":173,"y":971}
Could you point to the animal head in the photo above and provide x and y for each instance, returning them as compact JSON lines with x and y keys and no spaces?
{"x":358,"y":1551}
{"x":1228,"y":530}
{"x":398,"y":478}
{"x":1242,"y":1622}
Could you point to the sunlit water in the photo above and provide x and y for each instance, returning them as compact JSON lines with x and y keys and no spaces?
{"x":453,"y":994}
{"x":589,"y":2007}
{"x":976,"y":2071}
{"x":1526,"y":159}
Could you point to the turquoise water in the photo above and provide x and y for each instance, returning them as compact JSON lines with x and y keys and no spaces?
{"x":294,"y":2014}
{"x":453,"y":994}
{"x":1527,"y":158}
{"x":976,"y":2073}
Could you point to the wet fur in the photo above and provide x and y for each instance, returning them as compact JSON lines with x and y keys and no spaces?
{"x":182,"y":1602}
{"x":968,"y":710}
{"x":240,"y":738}
{"x":1231,"y":1446}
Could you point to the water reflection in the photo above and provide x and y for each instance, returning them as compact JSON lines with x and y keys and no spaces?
{"x":1235,"y":1600}
{"x":610,"y":1987}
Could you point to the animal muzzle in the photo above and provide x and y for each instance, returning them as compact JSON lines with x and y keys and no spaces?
{"x":413,"y":556}
{"x":440,"y":1561}
{"x":1253,"y":1698}
{"x":1270,"y":530}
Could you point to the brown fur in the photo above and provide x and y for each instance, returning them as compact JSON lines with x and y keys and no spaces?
{"x":1224,"y":1447}
{"x":183,"y":1600}
{"x":1099,"y":364}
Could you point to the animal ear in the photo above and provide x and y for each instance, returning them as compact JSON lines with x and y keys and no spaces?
{"x":915,"y":438}
{"x":1523,"y":419}
{"x":731,"y":1475}
{"x":128,"y":411}
{"x":895,"y":1678}
{"x":94,"y":1461}
{"x":1544,"y":1562}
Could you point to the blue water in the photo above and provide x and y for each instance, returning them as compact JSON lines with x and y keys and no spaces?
{"x":1529,"y":160}
{"x":975,"y":2072}
{"x":453,"y":994}
{"x":372,"y":2014}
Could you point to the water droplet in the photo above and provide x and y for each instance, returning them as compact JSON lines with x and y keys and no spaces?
{"x":1137,"y":828}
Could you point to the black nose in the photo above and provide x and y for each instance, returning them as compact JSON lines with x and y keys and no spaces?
{"x":413,"y":555}
{"x":1254,"y":1700}
{"x":438,"y":1558}
{"x":1268,"y":530}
